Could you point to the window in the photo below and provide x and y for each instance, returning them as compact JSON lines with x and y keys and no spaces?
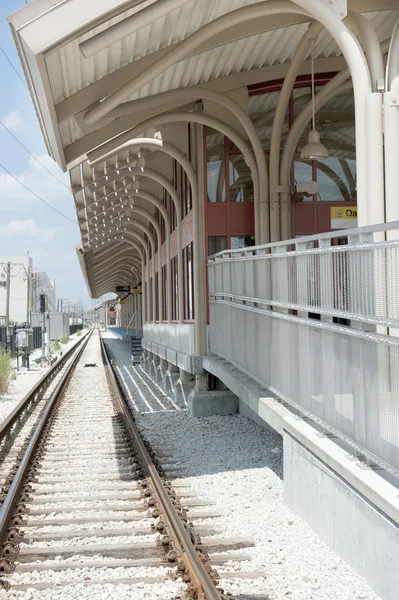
{"x":216,"y":243}
{"x":336,"y":179}
{"x":175,"y":292}
{"x":164,"y":298}
{"x":242,"y":241}
{"x":303,"y":173}
{"x":188,"y":287}
{"x":240,"y":179}
{"x":215,"y":159}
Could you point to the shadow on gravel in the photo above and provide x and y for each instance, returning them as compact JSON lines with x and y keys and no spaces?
{"x":145,"y":394}
{"x":209,"y":445}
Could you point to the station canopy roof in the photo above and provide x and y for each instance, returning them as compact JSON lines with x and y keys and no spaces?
{"x":76,"y":54}
{"x":65,"y":83}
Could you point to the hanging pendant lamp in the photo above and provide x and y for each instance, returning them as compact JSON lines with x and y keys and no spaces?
{"x":314,"y":149}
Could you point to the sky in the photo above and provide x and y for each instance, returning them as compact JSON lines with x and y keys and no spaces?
{"x":26,"y":223}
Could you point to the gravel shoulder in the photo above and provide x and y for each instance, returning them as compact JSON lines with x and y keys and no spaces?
{"x":238,"y":466}
{"x":25,"y":380}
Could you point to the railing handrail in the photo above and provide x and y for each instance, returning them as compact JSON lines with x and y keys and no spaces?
{"x":382,"y":227}
{"x":135,"y":314}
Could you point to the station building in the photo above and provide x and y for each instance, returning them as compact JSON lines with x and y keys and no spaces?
{"x":236,"y":163}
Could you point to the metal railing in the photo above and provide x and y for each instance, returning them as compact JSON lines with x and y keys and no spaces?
{"x":316,"y":321}
{"x":137,"y":328}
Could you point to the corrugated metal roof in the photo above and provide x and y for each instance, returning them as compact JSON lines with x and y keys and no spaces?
{"x":70,"y":72}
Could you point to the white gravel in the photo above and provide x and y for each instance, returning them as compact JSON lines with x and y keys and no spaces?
{"x":140,"y":591}
{"x":239,"y":466}
{"x":93,"y":541}
{"x":89,"y":573}
{"x":87,"y":428}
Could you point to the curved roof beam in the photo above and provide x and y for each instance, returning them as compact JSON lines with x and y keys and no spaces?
{"x":106,"y":284}
{"x":138,"y":242}
{"x":348,"y":174}
{"x":199,"y":297}
{"x":112,"y":258}
{"x":145,"y":213}
{"x":333,"y":175}
{"x":122,"y":270}
{"x":123,"y":275}
{"x":391,"y":120}
{"x":261,"y":227}
{"x":121,"y":206}
{"x":114,"y":192}
{"x":278,"y":122}
{"x":162,"y":209}
{"x":320,"y":11}
{"x":166,"y":183}
{"x":151,"y":239}
{"x":371,"y":45}
{"x":181,"y":95}
{"x":392,"y":78}
{"x":123,"y":260}
{"x":374,"y":55}
{"x":289,"y":151}
{"x":333,"y":88}
{"x":150,"y":174}
{"x":190,"y":44}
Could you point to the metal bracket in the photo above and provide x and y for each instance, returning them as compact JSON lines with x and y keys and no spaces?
{"x":394,"y":98}
{"x":339,"y":7}
{"x":281,"y":189}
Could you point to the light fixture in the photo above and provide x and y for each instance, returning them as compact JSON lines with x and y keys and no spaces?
{"x":314,"y":149}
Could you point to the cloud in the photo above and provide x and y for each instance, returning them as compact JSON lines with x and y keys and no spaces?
{"x":13,"y":120}
{"x":16,"y":198}
{"x":27,"y":230}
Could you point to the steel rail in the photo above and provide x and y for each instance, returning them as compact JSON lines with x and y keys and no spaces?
{"x":7,"y":424}
{"x":11,"y":499}
{"x":205,"y":589}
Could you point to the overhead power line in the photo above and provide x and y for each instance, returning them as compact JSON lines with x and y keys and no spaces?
{"x":33,"y":156}
{"x":36,"y":195}
{"x":15,"y":69}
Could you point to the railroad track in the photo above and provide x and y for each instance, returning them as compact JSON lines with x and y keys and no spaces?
{"x":18,"y":426}
{"x":89,"y":504}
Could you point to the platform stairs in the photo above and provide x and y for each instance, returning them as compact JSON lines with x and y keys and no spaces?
{"x":136,"y":348}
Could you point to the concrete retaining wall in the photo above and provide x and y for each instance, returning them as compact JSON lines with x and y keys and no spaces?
{"x":345,"y":519}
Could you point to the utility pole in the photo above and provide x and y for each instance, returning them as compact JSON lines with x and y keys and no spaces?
{"x":8,"y":337}
{"x":43,"y":312}
{"x":28,"y":298}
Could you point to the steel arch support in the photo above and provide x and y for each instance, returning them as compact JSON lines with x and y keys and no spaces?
{"x":199,"y":298}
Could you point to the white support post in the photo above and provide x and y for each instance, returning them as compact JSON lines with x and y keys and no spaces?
{"x":200,"y":267}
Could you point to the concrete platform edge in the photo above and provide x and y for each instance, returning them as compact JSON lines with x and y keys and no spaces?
{"x":268,"y":410}
{"x":355,"y":528}
{"x":369,"y":483}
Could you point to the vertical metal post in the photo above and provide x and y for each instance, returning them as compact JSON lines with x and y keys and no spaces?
{"x":8,"y":345}
{"x":43,"y":357}
{"x":199,"y":260}
{"x":48,"y":334}
{"x":28,"y":297}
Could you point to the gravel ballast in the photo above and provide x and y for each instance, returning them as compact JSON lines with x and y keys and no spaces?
{"x":238,"y":466}
{"x":86,"y":452}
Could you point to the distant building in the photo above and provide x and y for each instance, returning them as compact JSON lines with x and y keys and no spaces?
{"x":25,"y":289}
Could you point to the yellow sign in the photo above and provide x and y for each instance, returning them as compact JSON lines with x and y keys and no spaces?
{"x":343,"y":217}
{"x":136,"y":291}
{"x":122,"y":301}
